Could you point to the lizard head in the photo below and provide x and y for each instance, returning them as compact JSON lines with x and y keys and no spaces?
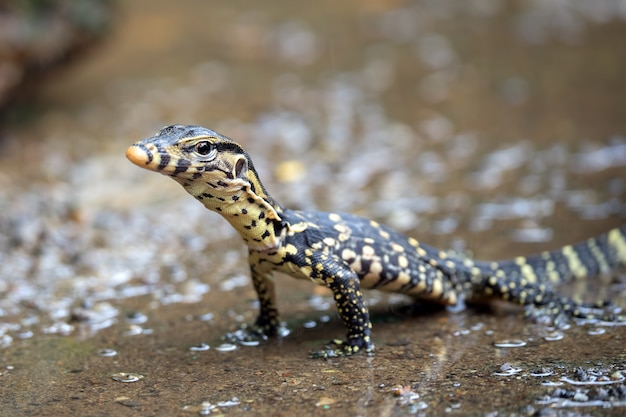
{"x":214,"y":169}
{"x":192,"y":153}
{"x":197,"y":155}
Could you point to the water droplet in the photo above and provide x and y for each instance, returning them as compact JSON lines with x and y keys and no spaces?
{"x":320,"y":303}
{"x":542,"y":372}
{"x":233,"y":401}
{"x":532,"y":235}
{"x":599,"y":159}
{"x":206,"y":317}
{"x":226,"y":347}
{"x":135,"y":330}
{"x":455,"y":405}
{"x":551,"y":383}
{"x":616,"y":378}
{"x":107,"y":352}
{"x":477,"y":327}
{"x":554,"y":336}
{"x":205,"y":408}
{"x":283,"y":331}
{"x":126,"y":377}
{"x":136,"y":317}
{"x":233,"y":282}
{"x":418,"y":406}
{"x":26,"y":334}
{"x":508,"y":370}
{"x":200,"y":348}
{"x":405,"y":393}
{"x":60,"y":328}
{"x":513,"y":343}
{"x":5,"y":340}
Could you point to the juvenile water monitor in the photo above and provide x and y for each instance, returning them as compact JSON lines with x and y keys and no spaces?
{"x":347,"y":253}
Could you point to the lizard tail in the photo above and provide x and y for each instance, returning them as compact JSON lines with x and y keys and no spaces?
{"x":592,"y":257}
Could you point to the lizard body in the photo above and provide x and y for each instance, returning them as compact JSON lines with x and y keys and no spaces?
{"x":347,"y":253}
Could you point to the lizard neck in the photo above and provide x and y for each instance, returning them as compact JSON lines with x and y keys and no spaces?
{"x":255,"y":215}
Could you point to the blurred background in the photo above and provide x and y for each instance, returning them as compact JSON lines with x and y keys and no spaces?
{"x":491,"y":126}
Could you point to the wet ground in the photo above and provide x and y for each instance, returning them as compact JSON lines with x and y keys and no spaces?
{"x":491,"y":126}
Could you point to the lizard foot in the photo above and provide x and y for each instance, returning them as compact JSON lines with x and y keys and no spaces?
{"x":338,"y":348}
{"x":254,"y":334}
{"x":559,"y":310}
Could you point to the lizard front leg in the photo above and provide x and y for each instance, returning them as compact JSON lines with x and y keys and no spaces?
{"x":268,"y":320}
{"x":351,"y":306}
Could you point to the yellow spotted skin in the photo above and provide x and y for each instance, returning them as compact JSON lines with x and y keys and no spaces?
{"x":347,"y":253}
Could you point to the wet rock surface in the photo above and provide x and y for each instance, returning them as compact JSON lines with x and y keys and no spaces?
{"x":480,"y":126}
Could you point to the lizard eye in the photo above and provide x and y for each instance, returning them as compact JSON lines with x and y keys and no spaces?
{"x":203,"y":148}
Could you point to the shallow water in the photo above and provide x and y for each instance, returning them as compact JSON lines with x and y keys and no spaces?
{"x":489,"y":126}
